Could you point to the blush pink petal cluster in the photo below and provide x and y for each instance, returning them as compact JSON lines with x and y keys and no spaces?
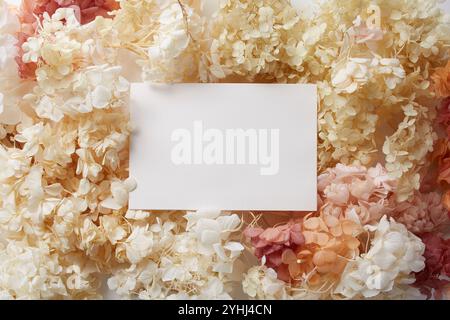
{"x":272,"y":242}
{"x":423,"y":213}
{"x":356,"y":191}
{"x":32,"y":11}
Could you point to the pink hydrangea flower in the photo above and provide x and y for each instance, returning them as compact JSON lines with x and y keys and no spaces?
{"x":424,"y":213}
{"x":356,"y":191}
{"x":272,"y":242}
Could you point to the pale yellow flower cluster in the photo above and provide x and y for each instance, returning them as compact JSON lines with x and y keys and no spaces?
{"x":178,"y":257}
{"x":64,"y":181}
{"x":75,"y":74}
{"x":167,"y":36}
{"x":263,"y":40}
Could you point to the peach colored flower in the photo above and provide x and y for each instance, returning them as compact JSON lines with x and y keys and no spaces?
{"x":295,"y":264}
{"x":332,"y":241}
{"x":441,"y":80}
{"x":310,"y":252}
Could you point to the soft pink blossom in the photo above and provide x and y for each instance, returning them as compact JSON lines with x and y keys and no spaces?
{"x":272,"y":242}
{"x":356,"y":191}
{"x":423,"y":213}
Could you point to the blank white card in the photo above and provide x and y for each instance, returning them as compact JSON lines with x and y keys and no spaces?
{"x":224,"y":146}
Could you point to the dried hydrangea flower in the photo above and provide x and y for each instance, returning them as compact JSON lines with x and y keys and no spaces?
{"x":360,"y":82}
{"x":173,"y":54}
{"x":394,"y":255}
{"x":64,"y":85}
{"x":261,"y":282}
{"x":355,"y":192}
{"x":65,"y":173}
{"x":35,"y":272}
{"x":32,"y":13}
{"x":64,"y":147}
{"x":168,"y":256}
{"x":424,"y":213}
{"x":270,"y":243}
{"x":165,"y":37}
{"x":310,"y":254}
{"x":354,"y":72}
{"x":262,"y":40}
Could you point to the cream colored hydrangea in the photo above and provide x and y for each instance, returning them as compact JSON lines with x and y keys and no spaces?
{"x":261,"y":282}
{"x":263,"y":40}
{"x":64,"y":187}
{"x":173,"y":55}
{"x":385,"y":78}
{"x":356,"y":72}
{"x":175,"y":257}
{"x":362,"y":75}
{"x":394,"y":254}
{"x":34,"y":272}
{"x":10,"y":87}
{"x":400,"y":292}
{"x":67,"y":82}
{"x":166,"y":36}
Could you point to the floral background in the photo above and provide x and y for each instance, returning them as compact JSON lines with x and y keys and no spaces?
{"x":382,"y":223}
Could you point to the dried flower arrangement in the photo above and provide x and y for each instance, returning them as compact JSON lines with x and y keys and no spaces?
{"x":381,"y":228}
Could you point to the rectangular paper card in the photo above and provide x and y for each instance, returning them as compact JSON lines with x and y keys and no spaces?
{"x":224,"y":146}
